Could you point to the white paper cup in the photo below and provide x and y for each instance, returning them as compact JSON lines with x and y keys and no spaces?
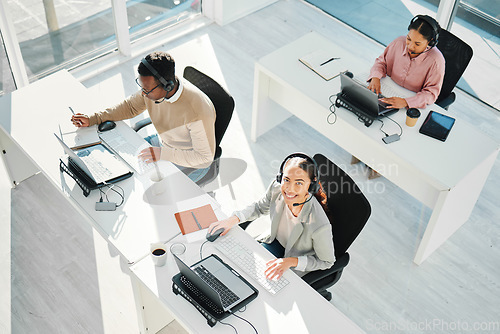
{"x":159,"y":254}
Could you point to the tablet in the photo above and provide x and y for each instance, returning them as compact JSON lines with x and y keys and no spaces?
{"x":437,"y":125}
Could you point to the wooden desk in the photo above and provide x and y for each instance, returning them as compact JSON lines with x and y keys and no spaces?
{"x":295,"y":309}
{"x":447,"y":177}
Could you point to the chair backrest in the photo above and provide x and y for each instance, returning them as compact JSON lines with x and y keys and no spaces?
{"x":349,"y":208}
{"x":223,"y":102}
{"x":457,"y":55}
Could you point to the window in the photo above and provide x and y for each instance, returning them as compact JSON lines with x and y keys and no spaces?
{"x":149,"y":16}
{"x":56,"y":34}
{"x":477,"y":22}
{"x":6,"y":79}
{"x":381,"y":20}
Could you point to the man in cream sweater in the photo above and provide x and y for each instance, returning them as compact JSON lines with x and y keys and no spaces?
{"x":183,"y":116}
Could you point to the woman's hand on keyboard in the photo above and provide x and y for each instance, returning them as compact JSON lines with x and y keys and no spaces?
{"x":395,"y":102}
{"x":226,"y":224}
{"x":277,"y":267}
{"x":150,"y":154}
{"x":374,"y":85}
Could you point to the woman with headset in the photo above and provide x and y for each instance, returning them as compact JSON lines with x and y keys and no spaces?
{"x":301,"y":234}
{"x":413,"y":62}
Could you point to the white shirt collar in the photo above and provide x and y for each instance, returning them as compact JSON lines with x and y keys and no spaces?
{"x":177,"y":94}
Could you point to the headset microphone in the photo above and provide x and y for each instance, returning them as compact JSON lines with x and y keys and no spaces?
{"x":419,"y":53}
{"x":297,"y":204}
{"x":164,"y":98}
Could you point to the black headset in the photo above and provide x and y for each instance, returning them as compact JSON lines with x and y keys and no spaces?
{"x":434,"y":25}
{"x":314,"y":186}
{"x":167,"y":85}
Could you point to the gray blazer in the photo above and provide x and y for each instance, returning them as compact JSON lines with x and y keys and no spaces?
{"x":312,"y":238}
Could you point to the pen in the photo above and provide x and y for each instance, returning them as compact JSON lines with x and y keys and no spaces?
{"x":196,"y":220}
{"x":79,"y":122}
{"x":329,"y":60}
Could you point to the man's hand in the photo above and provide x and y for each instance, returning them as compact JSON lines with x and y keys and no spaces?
{"x":150,"y":154}
{"x":80,"y":120}
{"x":395,"y":102}
{"x":276,"y":267}
{"x":374,"y":85}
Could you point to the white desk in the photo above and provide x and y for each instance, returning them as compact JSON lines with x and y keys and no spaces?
{"x":295,"y":309}
{"x":31,"y":146}
{"x":447,"y":177}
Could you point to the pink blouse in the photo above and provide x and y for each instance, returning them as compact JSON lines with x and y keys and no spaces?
{"x":423,"y":74}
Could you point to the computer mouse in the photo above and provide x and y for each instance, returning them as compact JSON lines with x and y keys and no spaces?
{"x":215,"y":234}
{"x":349,"y":74}
{"x":106,"y":126}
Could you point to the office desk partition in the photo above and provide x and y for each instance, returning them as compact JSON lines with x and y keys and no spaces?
{"x":445,"y":176}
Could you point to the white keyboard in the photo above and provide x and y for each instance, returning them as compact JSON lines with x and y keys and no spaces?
{"x":249,"y":262}
{"x":128,"y":150}
{"x":388,"y":87}
{"x":390,"y":91}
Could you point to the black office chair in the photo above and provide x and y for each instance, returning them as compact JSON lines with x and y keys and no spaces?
{"x":349,"y":212}
{"x":224,"y":105}
{"x":457,"y":54}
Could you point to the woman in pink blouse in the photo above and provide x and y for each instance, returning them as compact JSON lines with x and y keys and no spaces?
{"x":413,"y":62}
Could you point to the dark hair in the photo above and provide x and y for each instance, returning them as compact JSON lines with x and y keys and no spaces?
{"x":162,"y":62}
{"x":308,"y":167}
{"x":424,"y":28}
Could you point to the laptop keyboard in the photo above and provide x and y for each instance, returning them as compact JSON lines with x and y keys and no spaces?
{"x":227,"y":296}
{"x":201,"y":296}
{"x":250,"y":263}
{"x":126,"y":150}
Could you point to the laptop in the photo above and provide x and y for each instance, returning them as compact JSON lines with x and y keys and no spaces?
{"x":218,"y":282}
{"x":124,"y":142}
{"x":364,"y":98}
{"x":95,"y":165}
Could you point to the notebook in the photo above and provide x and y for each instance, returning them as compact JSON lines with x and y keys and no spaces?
{"x":219,"y":283}
{"x":77,"y":138}
{"x":364,"y":98}
{"x":97,"y":163}
{"x":323,"y":63}
{"x":204,"y":215}
{"x":437,"y":125}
